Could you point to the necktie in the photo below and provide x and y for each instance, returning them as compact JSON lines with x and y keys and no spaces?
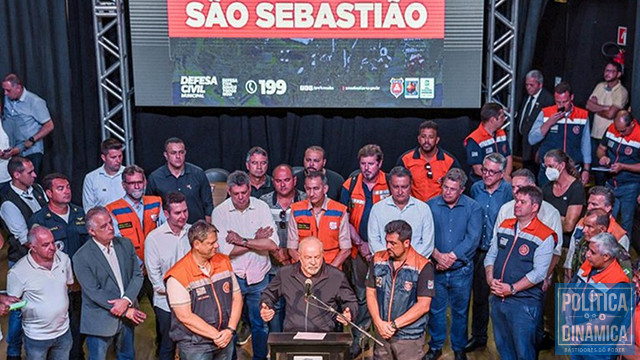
{"x":527,"y":109}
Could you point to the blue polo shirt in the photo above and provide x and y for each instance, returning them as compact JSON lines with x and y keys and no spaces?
{"x":23,"y":118}
{"x":457,"y":229}
{"x":491,"y":204}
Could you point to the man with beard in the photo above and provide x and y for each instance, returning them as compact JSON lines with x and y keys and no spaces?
{"x":359,"y":193}
{"x":136,"y":215}
{"x":608,"y":97}
{"x":428,"y":163}
{"x":321,"y":217}
{"x":400,"y":287}
{"x":327,"y":283}
{"x":315,"y":160}
{"x":280,"y":201}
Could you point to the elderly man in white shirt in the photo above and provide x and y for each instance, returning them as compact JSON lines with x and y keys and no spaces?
{"x":41,"y":278}
{"x":247,"y":234}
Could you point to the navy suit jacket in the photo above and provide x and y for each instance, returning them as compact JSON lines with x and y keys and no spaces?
{"x":99,"y":284}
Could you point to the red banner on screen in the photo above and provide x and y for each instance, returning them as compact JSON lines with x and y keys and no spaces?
{"x":377,"y":19}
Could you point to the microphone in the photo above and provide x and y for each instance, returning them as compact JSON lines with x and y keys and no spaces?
{"x":307,"y":288}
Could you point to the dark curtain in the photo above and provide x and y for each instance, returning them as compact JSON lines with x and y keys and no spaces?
{"x":570,"y":39}
{"x":530,"y":15}
{"x":223,"y":141}
{"x":49,"y":44}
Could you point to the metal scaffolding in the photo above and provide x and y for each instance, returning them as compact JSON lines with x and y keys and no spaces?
{"x":502,"y":45}
{"x":114,"y":86}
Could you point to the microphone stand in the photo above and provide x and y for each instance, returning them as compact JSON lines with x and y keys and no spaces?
{"x":328,"y":308}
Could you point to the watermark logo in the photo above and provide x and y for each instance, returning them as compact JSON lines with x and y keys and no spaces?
{"x":595,"y":319}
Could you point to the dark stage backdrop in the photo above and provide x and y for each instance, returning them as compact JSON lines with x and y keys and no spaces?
{"x":570,"y":38}
{"x":223,"y":141}
{"x":50,"y":44}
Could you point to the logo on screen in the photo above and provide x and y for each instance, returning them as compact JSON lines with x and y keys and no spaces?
{"x":411,"y":88}
{"x":229,"y":86}
{"x":397,"y":87}
{"x":196,"y":86}
{"x":427,"y":88}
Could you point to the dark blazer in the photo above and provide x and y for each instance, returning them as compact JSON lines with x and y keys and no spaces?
{"x":544,"y":99}
{"x":99,"y":284}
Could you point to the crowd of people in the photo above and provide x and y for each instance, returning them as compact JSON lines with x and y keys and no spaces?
{"x":390,"y":252}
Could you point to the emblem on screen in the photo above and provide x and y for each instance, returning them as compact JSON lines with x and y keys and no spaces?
{"x":397,"y":87}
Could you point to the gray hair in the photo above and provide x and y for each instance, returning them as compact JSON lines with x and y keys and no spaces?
{"x":497,"y":158}
{"x":609,"y":197}
{"x":400,"y":171}
{"x":317,"y":175}
{"x":257,"y":150}
{"x":95,"y":212}
{"x":32,"y":236}
{"x":606,"y":244}
{"x":525,"y":173}
{"x":238,"y":178}
{"x":456,"y":175}
{"x":199,"y":231}
{"x":536,"y":75}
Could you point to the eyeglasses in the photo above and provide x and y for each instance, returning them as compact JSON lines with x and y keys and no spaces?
{"x":135,"y":183}
{"x":427,"y":167}
{"x":486,"y":171}
{"x":283,"y":222}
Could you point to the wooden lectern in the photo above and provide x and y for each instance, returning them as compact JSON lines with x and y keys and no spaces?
{"x":334,"y":346}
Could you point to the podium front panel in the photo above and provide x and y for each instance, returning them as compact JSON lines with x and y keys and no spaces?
{"x":335,"y":346}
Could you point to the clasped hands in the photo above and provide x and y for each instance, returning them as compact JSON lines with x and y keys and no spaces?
{"x":121,"y":308}
{"x":444,"y":260}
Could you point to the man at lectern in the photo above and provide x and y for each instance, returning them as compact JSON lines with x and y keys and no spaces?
{"x":302,"y":284}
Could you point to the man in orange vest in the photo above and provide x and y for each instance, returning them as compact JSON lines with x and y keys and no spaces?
{"x":321,"y":217}
{"x":359,"y":193}
{"x":599,"y":274}
{"x":136,"y":215}
{"x":488,"y":138}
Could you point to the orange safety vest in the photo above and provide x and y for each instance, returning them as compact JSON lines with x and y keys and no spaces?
{"x":328,"y":231}
{"x":129,"y":224}
{"x":357,"y":199}
{"x":613,"y":274}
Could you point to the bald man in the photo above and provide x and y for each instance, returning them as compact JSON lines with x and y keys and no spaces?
{"x":327,"y":283}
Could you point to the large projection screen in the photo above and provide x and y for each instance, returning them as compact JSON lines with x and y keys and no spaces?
{"x":307,"y":53}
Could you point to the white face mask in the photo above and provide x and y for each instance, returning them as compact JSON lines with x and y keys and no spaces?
{"x":552,"y":173}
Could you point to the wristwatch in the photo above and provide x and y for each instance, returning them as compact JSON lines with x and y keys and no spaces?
{"x":244,"y":242}
{"x":393,"y":325}
{"x":513,"y":289}
{"x":32,"y":139}
{"x":233,"y":331}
